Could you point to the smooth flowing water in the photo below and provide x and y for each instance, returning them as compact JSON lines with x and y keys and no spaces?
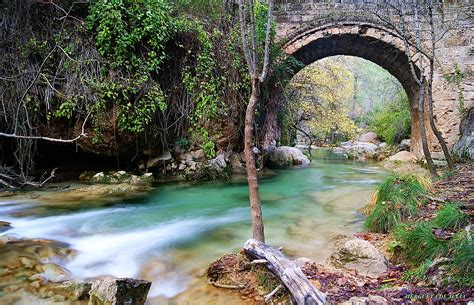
{"x":179,"y":228}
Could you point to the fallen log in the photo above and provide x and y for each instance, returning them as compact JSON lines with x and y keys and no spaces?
{"x":287,"y":272}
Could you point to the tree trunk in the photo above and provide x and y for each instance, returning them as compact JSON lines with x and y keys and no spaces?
{"x":256,"y":210}
{"x":287,"y":272}
{"x":421,"y":119}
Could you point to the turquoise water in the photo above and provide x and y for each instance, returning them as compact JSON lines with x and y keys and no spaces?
{"x":179,"y":228}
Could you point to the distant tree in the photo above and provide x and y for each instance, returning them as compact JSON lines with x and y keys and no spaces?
{"x":320,"y":98}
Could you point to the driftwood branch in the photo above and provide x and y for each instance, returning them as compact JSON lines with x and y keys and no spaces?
{"x":269,"y":296}
{"x":287,"y":272}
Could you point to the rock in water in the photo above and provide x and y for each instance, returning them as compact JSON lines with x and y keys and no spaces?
{"x":286,"y":156}
{"x":124,"y":291}
{"x":359,"y":255}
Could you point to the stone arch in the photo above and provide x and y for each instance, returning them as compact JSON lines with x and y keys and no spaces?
{"x":366,"y":40}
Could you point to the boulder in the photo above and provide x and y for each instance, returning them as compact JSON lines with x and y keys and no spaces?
{"x":121,"y":291}
{"x":370,"y":137}
{"x":76,"y":290}
{"x":286,"y":156}
{"x":464,"y":148}
{"x":405,"y":145}
{"x":219,"y":161}
{"x":236,"y":164}
{"x":122,"y":177}
{"x":359,"y":150}
{"x":359,"y":255}
{"x":198,"y":155}
{"x":403,"y":156}
{"x":99,"y":178}
{"x":383,"y":145}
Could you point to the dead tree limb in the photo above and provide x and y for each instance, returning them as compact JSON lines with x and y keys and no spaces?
{"x":287,"y":272}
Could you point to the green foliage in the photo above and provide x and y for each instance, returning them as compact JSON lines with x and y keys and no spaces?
{"x":451,"y":216}
{"x":419,"y":242}
{"x":421,"y":247}
{"x":392,"y":121}
{"x":135,"y":117}
{"x":418,"y":273}
{"x":183,"y":143}
{"x":132,"y":34}
{"x":318,"y":98}
{"x":462,"y":263}
{"x":396,"y":198}
{"x":206,"y":86}
{"x":65,"y":110}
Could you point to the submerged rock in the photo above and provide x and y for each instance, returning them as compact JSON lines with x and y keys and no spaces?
{"x":122,"y":291}
{"x":94,"y":193}
{"x":4,"y":226}
{"x":359,"y":255}
{"x":284,"y":156}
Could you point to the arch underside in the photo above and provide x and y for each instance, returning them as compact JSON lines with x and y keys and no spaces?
{"x":373,"y":44}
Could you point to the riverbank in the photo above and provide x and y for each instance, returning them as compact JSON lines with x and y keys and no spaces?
{"x":400,"y":281}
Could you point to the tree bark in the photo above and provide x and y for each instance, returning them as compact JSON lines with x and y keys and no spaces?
{"x":254,"y":197}
{"x":421,"y":94}
{"x":287,"y":272}
{"x":421,"y":122}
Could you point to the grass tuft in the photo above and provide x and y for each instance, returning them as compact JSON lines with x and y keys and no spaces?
{"x":395,"y":198}
{"x":419,"y":242}
{"x":451,"y":217}
{"x":462,"y":263}
{"x":417,"y":274}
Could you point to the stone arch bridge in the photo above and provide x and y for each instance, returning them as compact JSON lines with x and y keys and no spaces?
{"x":315,"y":29}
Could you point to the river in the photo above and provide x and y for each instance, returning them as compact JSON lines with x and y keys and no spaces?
{"x":174,"y":232}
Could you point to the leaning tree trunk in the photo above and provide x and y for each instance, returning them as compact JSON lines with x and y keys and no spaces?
{"x":256,"y":210}
{"x":421,"y":119}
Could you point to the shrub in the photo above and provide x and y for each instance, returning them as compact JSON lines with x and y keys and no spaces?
{"x":392,"y":121}
{"x":396,"y":198}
